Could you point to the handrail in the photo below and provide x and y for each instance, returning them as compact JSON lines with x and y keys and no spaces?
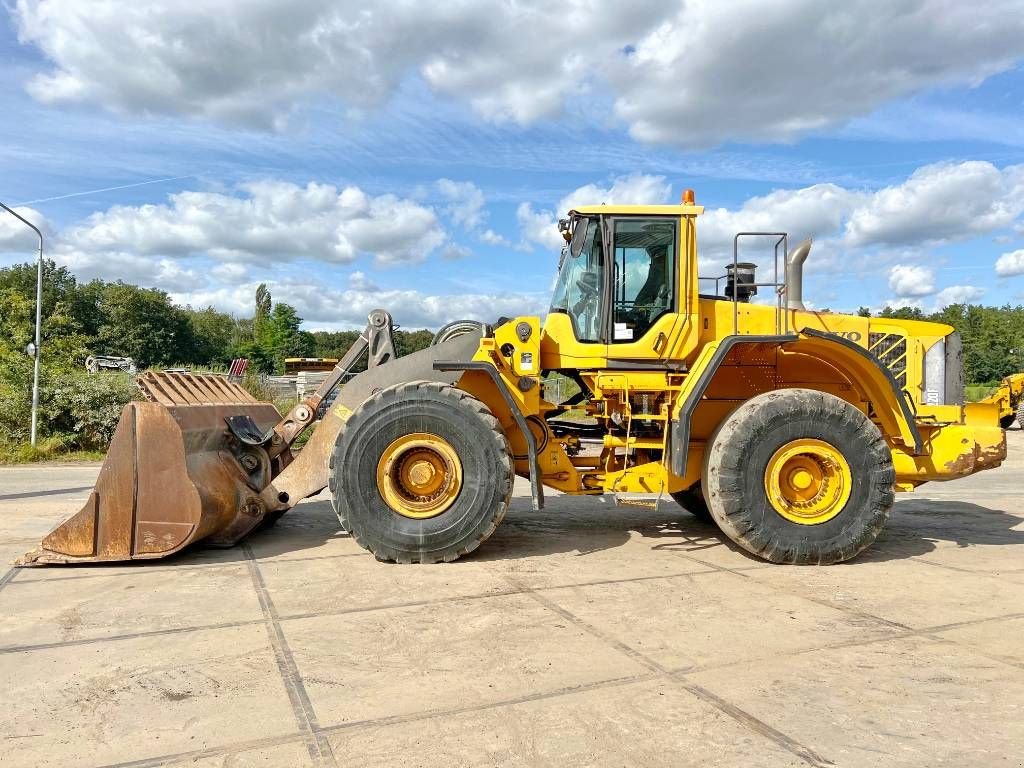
{"x":781,"y":315}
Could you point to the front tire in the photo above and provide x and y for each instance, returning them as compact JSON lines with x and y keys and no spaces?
{"x":421,"y":473}
{"x":799,"y":476}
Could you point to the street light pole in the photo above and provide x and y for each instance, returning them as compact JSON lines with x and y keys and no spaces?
{"x":36,"y":351}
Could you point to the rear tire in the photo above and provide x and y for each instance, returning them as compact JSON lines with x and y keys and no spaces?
{"x":470,"y":452}
{"x":835,"y":470}
{"x":692,"y":500}
{"x":1020,"y":415}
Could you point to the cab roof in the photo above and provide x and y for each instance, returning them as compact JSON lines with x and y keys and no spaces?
{"x":640,"y":210}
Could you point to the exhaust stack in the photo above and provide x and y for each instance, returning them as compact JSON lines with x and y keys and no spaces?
{"x":795,"y":275}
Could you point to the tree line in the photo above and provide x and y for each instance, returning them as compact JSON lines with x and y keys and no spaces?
{"x":125,"y":320}
{"x":118,"y":318}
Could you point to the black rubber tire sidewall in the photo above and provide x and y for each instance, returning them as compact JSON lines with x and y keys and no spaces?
{"x":738,"y":457}
{"x":692,"y":500}
{"x":466,"y":424}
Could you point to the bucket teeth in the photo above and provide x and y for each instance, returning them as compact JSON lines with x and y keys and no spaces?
{"x":171,"y":389}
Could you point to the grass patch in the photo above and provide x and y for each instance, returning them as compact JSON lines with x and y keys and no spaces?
{"x":975,"y":392}
{"x":55,"y":448}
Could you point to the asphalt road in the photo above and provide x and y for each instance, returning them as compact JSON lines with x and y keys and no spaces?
{"x":586,"y":634}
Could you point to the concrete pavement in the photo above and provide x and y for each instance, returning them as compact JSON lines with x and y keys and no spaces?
{"x":586,"y":634}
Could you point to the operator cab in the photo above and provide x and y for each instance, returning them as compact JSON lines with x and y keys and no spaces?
{"x":617,"y":276}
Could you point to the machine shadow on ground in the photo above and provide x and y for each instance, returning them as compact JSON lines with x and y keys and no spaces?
{"x":586,"y":525}
{"x":915,"y":528}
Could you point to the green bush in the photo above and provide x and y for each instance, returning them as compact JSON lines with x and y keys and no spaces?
{"x":88,"y":406}
{"x":79,"y":409}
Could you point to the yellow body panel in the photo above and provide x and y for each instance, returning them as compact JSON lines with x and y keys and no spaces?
{"x":1008,"y":397}
{"x":928,"y":442}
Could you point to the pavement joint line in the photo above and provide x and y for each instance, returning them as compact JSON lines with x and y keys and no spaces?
{"x":755,"y":724}
{"x":926,"y":632}
{"x":820,"y":601}
{"x":956,"y":568}
{"x":569,"y":690}
{"x":623,"y":648}
{"x":908,"y":631}
{"x":388,"y":720}
{"x":319,"y":747}
{"x":166,"y":568}
{"x":479,"y":596}
{"x":199,"y":754}
{"x":741,"y":716}
{"x":303,"y":615}
{"x":977,"y":651}
{"x":127,"y":636}
{"x":135,"y":570}
{"x":899,"y":633}
{"x":8,"y":577}
{"x":51,"y":492}
{"x":710,"y":568}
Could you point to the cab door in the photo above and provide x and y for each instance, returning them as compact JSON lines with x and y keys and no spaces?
{"x":645,"y":321}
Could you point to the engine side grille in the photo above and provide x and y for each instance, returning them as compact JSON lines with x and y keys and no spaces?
{"x":891,"y":350}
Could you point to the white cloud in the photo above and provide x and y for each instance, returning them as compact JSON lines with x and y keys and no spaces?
{"x":16,"y":237}
{"x":900,"y":302}
{"x":270,"y":222}
{"x":358,"y":281}
{"x":230,"y":272}
{"x":958,"y":294}
{"x":938,"y":203}
{"x":491,"y":237}
{"x":635,"y":189}
{"x":911,"y":280}
{"x":147,"y":271}
{"x":328,"y":308}
{"x":816,"y":211}
{"x":1010,"y":264}
{"x":689,"y":73}
{"x":465,"y":207}
{"x":465,"y":202}
{"x":541,"y":227}
{"x":454,"y":251}
{"x":772,"y":73}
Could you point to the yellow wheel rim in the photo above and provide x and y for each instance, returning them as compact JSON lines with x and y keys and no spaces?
{"x":419,"y":475}
{"x":808,"y":481}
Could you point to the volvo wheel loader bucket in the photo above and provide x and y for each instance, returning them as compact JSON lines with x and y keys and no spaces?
{"x":174,"y":475}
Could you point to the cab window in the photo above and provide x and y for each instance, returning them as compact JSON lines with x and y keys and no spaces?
{"x":644,"y":284}
{"x":579,"y":292}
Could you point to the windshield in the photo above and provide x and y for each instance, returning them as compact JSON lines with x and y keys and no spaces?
{"x":579,"y":290}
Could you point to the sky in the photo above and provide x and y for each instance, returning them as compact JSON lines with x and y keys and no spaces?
{"x":416,"y":156}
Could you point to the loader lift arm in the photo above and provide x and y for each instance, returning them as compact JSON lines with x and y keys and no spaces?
{"x":377,"y":339}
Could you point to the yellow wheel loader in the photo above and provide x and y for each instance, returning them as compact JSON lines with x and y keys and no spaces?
{"x":790,"y":429}
{"x":1009,"y":398}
